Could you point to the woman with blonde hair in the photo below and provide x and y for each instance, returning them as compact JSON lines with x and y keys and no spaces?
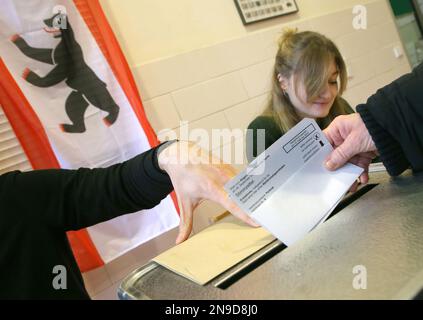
{"x":308,"y":80}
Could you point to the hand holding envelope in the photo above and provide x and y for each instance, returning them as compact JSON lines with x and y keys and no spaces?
{"x":353,"y":143}
{"x":287,"y":189}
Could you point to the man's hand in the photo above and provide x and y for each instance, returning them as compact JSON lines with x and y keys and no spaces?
{"x":196,"y":175}
{"x":352,"y":142}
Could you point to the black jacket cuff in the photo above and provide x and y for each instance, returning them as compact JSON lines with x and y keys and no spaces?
{"x":390,"y":150}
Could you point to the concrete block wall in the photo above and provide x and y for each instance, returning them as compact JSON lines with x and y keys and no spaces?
{"x":227,"y":85}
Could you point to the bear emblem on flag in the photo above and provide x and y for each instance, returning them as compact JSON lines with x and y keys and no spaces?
{"x":69,"y":66}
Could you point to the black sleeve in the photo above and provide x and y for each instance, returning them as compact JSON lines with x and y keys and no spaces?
{"x":75,"y":199}
{"x":394,"y":118}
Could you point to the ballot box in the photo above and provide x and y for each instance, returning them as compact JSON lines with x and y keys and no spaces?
{"x":371,"y":247}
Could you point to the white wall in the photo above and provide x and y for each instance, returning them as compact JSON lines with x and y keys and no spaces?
{"x":150,"y":30}
{"x":194,"y":60}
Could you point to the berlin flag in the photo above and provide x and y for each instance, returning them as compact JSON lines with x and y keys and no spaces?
{"x":70,"y":98}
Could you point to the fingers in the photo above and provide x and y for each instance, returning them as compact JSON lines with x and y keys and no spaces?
{"x":354,"y":187}
{"x":185,"y":225}
{"x":364,"y":177}
{"x":363,"y":160}
{"x":335,"y":132}
{"x":218,"y":194}
{"x":245,"y":218}
{"x":327,"y":133}
{"x":223,"y":199}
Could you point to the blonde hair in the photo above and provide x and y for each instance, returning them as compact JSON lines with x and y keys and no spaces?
{"x":307,"y":56}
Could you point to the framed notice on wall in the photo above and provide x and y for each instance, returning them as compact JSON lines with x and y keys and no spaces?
{"x":257,"y":10}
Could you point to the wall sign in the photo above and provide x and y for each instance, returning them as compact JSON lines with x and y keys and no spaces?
{"x":258,"y":10}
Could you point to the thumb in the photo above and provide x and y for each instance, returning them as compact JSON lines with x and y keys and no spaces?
{"x":222,"y":198}
{"x":341,"y":155}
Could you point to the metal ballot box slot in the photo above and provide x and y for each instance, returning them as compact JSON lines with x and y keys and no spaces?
{"x":149,"y":273}
{"x":129,"y":288}
{"x":379,"y":229}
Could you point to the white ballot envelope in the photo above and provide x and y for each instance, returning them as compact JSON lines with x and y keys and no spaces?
{"x":287,"y":189}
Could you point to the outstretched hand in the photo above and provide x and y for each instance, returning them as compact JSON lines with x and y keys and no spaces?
{"x":196,"y":175}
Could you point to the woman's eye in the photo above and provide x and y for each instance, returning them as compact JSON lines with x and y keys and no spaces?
{"x":333,"y":82}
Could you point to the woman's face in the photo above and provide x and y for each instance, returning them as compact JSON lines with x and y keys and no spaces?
{"x":319,"y":107}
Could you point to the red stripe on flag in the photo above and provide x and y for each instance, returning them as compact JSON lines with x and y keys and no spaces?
{"x":33,"y":139}
{"x":94,"y":17}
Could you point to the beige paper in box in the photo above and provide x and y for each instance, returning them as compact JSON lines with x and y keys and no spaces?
{"x":214,"y":250}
